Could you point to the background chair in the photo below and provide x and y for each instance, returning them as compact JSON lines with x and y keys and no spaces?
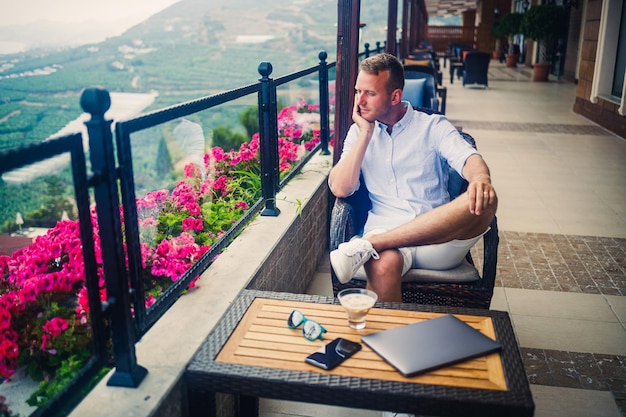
{"x":476,"y":68}
{"x":422,"y":57}
{"x":410,"y":65}
{"x":425,"y":45}
{"x":420,"y":54}
{"x":462,"y":286}
{"x":458,"y":50}
{"x":424,"y":93}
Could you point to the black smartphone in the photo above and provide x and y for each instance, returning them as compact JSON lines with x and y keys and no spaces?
{"x":332,"y":354}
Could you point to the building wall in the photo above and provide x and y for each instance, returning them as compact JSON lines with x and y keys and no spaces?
{"x":573,"y":43}
{"x":603,"y":112}
{"x":486,"y":17}
{"x":294,"y":260}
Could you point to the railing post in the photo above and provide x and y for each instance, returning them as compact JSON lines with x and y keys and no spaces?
{"x":128,"y":373}
{"x":346,"y":69}
{"x":268,"y":131}
{"x":377,"y":47}
{"x":324,"y":104}
{"x":367,"y":49}
{"x":392,"y":27}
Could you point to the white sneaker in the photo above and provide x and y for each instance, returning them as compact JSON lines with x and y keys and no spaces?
{"x":350,"y":256}
{"x":392,"y":414}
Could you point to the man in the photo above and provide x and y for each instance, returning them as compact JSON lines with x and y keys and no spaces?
{"x":403,"y":156}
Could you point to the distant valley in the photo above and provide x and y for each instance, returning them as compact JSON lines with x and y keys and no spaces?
{"x":46,"y":35}
{"x":191,"y":49}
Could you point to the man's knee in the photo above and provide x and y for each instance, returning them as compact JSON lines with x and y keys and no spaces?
{"x":474,"y":224}
{"x":390,"y":264}
{"x":489,"y":212}
{"x":384,"y":275}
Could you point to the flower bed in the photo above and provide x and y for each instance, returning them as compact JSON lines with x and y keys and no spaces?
{"x":44,"y":324}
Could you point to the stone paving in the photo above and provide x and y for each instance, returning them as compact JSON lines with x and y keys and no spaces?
{"x":581,"y":264}
{"x":539,"y":261}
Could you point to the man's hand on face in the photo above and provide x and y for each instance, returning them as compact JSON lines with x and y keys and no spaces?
{"x":360,"y":121}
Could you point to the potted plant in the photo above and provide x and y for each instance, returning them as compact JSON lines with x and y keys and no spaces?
{"x":545,"y":24}
{"x":498,"y":33}
{"x":508,"y":27}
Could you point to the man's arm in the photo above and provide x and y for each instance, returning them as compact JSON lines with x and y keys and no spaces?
{"x":344,"y":176}
{"x":480,"y":192}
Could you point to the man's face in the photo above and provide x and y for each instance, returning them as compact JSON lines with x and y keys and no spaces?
{"x":372,"y":97}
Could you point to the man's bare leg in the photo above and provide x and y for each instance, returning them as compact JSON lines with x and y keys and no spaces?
{"x":384,"y":275}
{"x":442,"y":224}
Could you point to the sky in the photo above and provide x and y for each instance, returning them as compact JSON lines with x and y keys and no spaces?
{"x":70,"y":11}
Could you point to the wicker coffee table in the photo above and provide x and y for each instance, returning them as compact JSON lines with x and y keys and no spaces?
{"x":252,"y":353}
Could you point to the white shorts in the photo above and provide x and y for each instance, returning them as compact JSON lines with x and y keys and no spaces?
{"x":438,"y":257}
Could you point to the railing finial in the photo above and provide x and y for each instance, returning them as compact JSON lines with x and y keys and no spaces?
{"x":95,"y":101}
{"x":265,"y":69}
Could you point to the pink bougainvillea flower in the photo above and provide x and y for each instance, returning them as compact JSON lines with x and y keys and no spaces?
{"x":8,"y":349}
{"x":191,"y":170}
{"x":219,"y":154}
{"x":193,"y":208}
{"x":54,"y":327}
{"x":221,"y":184}
{"x":177,"y":228}
{"x":5,"y":319}
{"x":194,"y":224}
{"x":242,"y":205}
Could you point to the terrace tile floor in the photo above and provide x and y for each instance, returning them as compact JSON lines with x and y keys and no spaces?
{"x":561,"y":182}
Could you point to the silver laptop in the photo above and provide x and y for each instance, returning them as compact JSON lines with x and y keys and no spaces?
{"x":430,"y":344}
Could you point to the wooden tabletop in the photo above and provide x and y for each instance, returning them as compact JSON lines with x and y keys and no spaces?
{"x":262,"y":338}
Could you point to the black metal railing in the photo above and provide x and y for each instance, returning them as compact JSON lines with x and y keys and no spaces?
{"x":268,"y":131}
{"x":72,"y":145}
{"x":123,"y":318}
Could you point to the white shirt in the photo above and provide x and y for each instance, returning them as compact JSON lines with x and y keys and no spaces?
{"x":406,"y":173}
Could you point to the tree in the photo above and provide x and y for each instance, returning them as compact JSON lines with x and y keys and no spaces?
{"x":226,"y":139}
{"x":546,"y":24}
{"x":56,"y":202}
{"x":249,"y":118}
{"x":508,"y":27}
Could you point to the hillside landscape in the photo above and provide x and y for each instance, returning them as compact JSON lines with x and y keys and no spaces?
{"x":192,"y":49}
{"x":188,"y":50}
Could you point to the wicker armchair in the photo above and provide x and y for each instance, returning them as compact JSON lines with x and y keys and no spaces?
{"x":476,"y":69}
{"x":462,"y":286}
{"x":434,"y":96}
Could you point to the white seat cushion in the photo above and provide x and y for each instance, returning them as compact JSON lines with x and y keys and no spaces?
{"x":465,"y":272}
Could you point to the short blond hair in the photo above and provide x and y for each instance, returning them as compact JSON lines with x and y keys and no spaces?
{"x":385,"y":62}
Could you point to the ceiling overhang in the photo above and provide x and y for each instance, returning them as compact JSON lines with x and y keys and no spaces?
{"x":449,"y":7}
